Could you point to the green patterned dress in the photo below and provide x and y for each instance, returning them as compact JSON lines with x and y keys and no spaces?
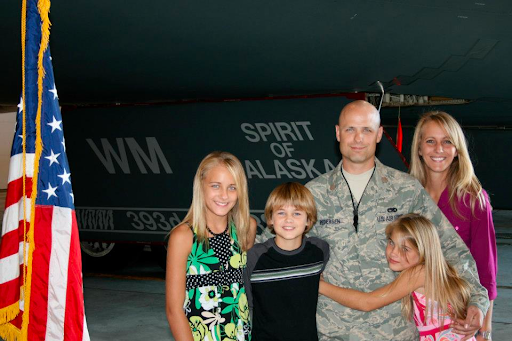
{"x":215,"y":304}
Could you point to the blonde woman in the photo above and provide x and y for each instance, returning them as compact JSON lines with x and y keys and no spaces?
{"x":441,"y":162}
{"x":205,"y":294}
{"x":432,"y":292}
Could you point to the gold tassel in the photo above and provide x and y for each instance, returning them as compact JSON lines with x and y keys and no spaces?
{"x":9,"y":332}
{"x":9,"y":313}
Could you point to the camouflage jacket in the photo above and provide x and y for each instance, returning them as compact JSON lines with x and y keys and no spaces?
{"x":357,"y":259}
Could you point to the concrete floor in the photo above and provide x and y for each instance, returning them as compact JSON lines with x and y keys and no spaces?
{"x":119,"y":308}
{"x":129,"y":304}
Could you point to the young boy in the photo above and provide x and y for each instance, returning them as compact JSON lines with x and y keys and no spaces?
{"x":282,"y":274}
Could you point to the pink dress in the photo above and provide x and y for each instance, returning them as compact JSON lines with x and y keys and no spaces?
{"x":432,"y":329}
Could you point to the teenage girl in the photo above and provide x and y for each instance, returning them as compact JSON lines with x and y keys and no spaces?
{"x":206,"y":256}
{"x":440,"y":161}
{"x":432,"y":292}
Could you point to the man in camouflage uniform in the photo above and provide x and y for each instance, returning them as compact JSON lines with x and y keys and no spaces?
{"x":357,"y":258}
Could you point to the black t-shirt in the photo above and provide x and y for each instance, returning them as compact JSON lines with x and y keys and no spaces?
{"x":282,"y":289}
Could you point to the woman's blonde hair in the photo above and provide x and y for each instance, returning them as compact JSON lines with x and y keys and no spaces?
{"x":239,"y":214}
{"x":442,"y":282}
{"x":461,"y":179}
{"x":293,"y":194}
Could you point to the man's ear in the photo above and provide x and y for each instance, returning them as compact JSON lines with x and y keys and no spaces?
{"x":379,"y":133}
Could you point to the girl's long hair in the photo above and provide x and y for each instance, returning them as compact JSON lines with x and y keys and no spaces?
{"x":239,"y":214}
{"x":462,"y":181}
{"x":442,"y":282}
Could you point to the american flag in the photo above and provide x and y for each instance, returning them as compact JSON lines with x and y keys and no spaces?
{"x":41,"y":294}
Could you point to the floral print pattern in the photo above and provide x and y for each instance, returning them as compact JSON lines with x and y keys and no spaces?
{"x":217,"y":312}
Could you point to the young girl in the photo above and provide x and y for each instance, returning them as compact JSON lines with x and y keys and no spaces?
{"x":441,"y":162}
{"x":432,"y":293}
{"x":205,"y":295}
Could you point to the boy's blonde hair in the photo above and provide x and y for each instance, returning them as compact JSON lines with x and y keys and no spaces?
{"x":292,"y":194}
{"x":239,"y":214}
{"x":442,"y":282}
{"x":461,"y":179}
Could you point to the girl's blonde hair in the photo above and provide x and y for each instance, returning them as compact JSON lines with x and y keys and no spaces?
{"x":442,"y":282}
{"x":239,"y":214}
{"x":461,"y":179}
{"x":293,"y":194}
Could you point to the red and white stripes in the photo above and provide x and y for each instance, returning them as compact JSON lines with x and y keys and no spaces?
{"x":56,"y":292}
{"x":11,"y":248}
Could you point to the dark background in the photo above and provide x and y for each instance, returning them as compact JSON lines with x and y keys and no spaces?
{"x":120,"y":65}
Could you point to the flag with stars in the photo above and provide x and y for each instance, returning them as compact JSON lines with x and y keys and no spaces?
{"x":41,"y":291}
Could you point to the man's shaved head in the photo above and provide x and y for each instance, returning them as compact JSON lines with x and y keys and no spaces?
{"x":361,"y":106}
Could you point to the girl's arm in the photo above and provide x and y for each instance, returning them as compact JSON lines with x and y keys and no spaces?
{"x":178,"y":249}
{"x":402,"y":286}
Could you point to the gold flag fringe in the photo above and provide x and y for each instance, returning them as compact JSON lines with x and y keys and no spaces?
{"x":9,"y":313}
{"x":9,"y":332}
{"x":44,"y":10}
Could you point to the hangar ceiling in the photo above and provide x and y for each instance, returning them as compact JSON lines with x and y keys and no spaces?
{"x":128,"y":51}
